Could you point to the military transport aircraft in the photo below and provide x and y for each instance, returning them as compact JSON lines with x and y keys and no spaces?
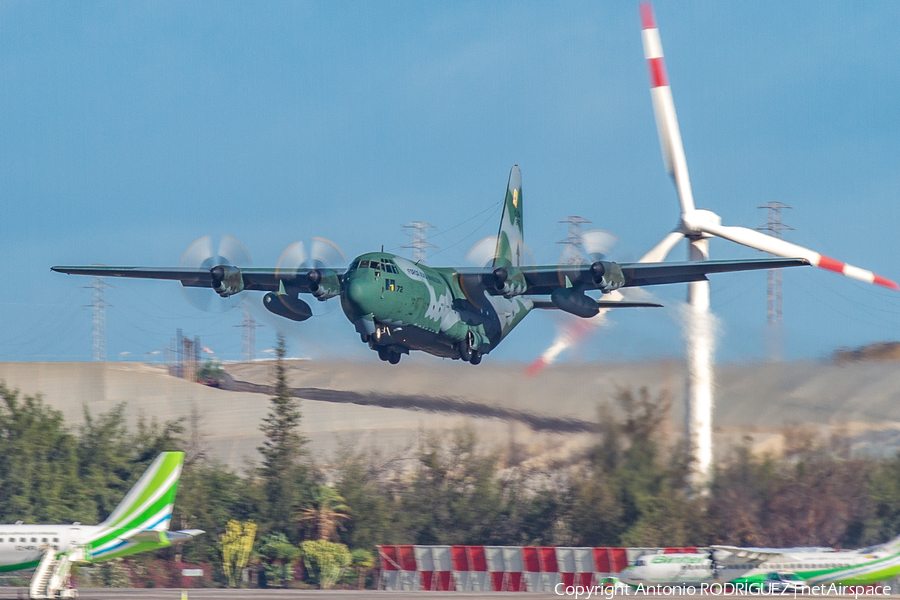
{"x":463,"y":313}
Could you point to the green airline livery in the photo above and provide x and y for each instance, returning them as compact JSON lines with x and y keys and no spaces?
{"x":463,"y":313}
{"x":139,"y":523}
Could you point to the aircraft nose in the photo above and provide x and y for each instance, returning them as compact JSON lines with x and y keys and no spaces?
{"x":629,"y":575}
{"x":358,"y":296}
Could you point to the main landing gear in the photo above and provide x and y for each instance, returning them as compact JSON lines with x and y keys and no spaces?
{"x":467,"y":353}
{"x":388,"y":354}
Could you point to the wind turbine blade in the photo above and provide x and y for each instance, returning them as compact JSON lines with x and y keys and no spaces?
{"x":664,"y":109}
{"x":659,"y":252}
{"x":773,"y":245}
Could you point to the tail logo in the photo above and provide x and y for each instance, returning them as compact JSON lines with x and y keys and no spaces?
{"x":516,"y":198}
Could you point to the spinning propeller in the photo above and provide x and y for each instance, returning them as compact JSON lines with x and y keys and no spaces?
{"x":296,"y":261}
{"x":482,"y":253}
{"x":207,"y":253}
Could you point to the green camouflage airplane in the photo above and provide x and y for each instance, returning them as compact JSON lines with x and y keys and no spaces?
{"x":397,"y":305}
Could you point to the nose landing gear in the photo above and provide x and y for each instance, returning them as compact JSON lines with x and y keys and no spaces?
{"x":381,"y":342}
{"x":467,"y":353}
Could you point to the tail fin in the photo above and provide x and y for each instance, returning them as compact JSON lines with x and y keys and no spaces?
{"x":148,"y":505}
{"x":510,"y":250}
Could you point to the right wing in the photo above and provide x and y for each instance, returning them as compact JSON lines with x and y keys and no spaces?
{"x":262,"y":279}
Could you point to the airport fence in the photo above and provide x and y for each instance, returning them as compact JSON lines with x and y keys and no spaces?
{"x":503,"y":568}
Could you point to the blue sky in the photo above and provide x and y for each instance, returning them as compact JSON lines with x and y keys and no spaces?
{"x":129,"y":129}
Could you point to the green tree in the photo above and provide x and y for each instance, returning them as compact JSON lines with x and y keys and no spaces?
{"x":236,"y":543}
{"x":211,"y":372}
{"x":325,"y":561}
{"x":283,"y":448}
{"x":883,"y":489}
{"x":324,"y":513}
{"x":277,"y":554}
{"x":38,"y":464}
{"x":626,"y":494}
{"x":454,"y":496}
{"x":362,"y":562}
{"x":365,"y":481}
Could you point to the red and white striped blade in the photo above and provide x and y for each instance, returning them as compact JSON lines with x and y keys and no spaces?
{"x":773,"y":245}
{"x":664,"y":109}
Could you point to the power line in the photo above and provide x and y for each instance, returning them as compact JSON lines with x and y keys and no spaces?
{"x":98,"y":319}
{"x":573,"y":253}
{"x":419,"y":243}
{"x":248,"y":327}
{"x":774,"y":314}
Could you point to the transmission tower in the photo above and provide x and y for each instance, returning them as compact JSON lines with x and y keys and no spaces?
{"x":573,"y":253}
{"x":774,"y":226}
{"x":419,"y":243}
{"x":98,"y":320}
{"x":248,"y":327}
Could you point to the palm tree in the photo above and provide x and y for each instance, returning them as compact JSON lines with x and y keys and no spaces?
{"x":325,"y":512}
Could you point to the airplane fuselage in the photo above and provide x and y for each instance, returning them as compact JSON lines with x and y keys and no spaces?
{"x":21,"y":546}
{"x":815,"y":567}
{"x":398,"y":305}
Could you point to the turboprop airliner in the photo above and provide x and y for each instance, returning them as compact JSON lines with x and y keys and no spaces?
{"x":139,"y":523}
{"x":816,"y":566}
{"x":397,"y":305}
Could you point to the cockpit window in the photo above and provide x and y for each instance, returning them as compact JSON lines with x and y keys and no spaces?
{"x":375,"y":265}
{"x":363,"y":264}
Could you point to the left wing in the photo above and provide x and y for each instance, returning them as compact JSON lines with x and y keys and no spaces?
{"x":600,"y":275}
{"x":725,"y":555}
{"x":607,"y":276}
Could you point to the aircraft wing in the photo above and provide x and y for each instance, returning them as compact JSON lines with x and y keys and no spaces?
{"x":545,"y":279}
{"x":150,"y":535}
{"x":262,"y":279}
{"x":734,"y":554}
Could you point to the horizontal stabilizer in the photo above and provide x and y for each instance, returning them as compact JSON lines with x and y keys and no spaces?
{"x":183,"y":534}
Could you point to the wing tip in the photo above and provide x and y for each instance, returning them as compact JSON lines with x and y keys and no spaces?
{"x":885,"y":282}
{"x":648,"y":20}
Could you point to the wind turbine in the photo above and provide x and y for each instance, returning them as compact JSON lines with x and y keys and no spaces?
{"x":698,"y":226}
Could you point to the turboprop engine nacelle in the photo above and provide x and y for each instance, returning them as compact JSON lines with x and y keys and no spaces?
{"x":506,"y":281}
{"x":287,"y":306}
{"x":607,"y":276}
{"x":575,"y":302}
{"x":323,"y":284}
{"x":226,"y":280}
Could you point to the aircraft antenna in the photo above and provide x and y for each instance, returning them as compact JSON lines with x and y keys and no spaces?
{"x":774,"y":314}
{"x":419,"y":244}
{"x":98,"y":320}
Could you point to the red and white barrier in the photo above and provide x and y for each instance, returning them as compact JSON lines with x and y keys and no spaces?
{"x":502,"y":568}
